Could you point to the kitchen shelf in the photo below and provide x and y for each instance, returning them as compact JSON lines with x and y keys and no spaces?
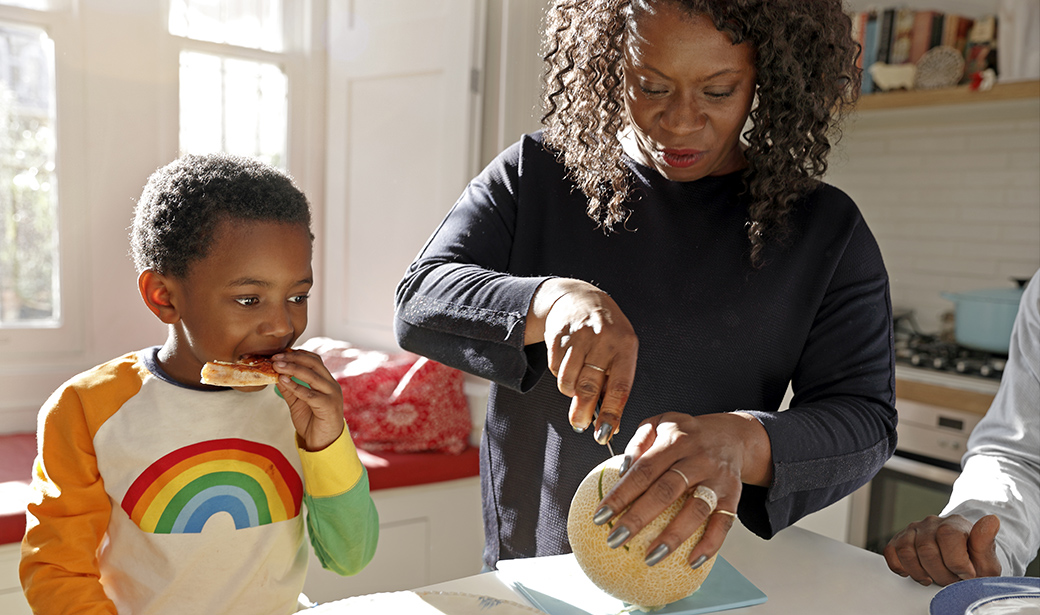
{"x":948,"y":96}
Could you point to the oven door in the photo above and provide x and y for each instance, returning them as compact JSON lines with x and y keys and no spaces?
{"x":908,"y":488}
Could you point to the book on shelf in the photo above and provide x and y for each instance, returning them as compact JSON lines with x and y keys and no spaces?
{"x":900,"y":35}
{"x":902,"y":27}
{"x":886,"y":18}
{"x":869,"y":50}
{"x":920,"y":35}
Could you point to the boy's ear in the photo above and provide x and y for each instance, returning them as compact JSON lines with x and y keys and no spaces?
{"x":155,"y":290}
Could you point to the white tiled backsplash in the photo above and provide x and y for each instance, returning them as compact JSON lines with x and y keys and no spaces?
{"x":952,"y":194}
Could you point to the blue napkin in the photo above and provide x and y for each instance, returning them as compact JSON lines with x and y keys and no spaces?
{"x":557,"y":586}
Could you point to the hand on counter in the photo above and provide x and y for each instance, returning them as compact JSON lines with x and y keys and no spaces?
{"x":945,"y":550}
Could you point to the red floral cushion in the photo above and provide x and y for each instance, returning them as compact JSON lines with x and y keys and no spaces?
{"x":397,"y":402}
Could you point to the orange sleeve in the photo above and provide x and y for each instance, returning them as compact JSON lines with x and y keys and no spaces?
{"x":69,"y":514}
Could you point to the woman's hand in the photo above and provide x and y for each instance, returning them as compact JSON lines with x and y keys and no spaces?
{"x":945,"y":550}
{"x":592,"y":350}
{"x":316,"y":409}
{"x":672,"y":454}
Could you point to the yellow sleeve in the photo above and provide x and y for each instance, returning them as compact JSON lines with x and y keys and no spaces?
{"x":68,"y":516}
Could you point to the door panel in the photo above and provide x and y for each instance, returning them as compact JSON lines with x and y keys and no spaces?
{"x":403,"y":120}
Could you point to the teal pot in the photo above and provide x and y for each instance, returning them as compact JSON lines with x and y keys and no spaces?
{"x":984,"y":317}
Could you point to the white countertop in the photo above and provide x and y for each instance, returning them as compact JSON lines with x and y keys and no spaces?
{"x":800,"y":572}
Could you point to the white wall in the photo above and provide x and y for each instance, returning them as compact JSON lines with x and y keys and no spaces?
{"x":952,"y":194}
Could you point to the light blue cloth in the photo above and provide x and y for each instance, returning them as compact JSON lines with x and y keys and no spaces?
{"x":1001,"y":469}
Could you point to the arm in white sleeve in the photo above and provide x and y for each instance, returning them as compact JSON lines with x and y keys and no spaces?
{"x":1001,"y":470}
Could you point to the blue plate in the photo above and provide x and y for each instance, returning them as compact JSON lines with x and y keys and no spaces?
{"x":956,"y":599}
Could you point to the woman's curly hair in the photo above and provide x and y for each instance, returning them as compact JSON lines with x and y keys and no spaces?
{"x":183,"y":202}
{"x":807,"y":80}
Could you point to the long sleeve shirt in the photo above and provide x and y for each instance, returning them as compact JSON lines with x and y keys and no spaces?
{"x":153,"y":497}
{"x":715,"y":333}
{"x":1001,"y":468}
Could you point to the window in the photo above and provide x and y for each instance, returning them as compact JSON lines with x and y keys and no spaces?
{"x":256,"y":24}
{"x":232,"y":105}
{"x":29,"y":289}
{"x":233,"y":98}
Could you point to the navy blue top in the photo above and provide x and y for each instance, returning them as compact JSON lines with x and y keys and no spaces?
{"x":715,"y":334}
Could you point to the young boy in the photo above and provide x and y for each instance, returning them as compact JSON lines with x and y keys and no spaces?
{"x":157,"y":494}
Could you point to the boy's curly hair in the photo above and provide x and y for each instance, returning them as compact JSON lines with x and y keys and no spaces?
{"x":807,"y":80}
{"x":183,"y":202}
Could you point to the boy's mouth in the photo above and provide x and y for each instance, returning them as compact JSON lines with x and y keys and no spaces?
{"x":266,"y":354}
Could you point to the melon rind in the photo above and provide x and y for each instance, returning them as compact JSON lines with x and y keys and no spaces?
{"x":622,"y":572}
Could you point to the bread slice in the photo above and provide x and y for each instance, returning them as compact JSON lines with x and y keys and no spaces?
{"x":251,"y":371}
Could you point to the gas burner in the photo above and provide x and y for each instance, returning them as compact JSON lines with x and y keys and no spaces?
{"x":933,"y":353}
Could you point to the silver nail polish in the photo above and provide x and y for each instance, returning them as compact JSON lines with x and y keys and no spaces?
{"x":602,"y":515}
{"x":626,"y":462}
{"x":697,"y":563}
{"x":604,"y":432}
{"x":658,"y":554}
{"x":617,"y":537}
{"x":577,"y":429}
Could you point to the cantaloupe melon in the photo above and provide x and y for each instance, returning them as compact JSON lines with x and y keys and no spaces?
{"x":622,"y":572}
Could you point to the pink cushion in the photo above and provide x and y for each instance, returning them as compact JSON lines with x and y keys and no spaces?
{"x":17,"y":453}
{"x":397,"y":402}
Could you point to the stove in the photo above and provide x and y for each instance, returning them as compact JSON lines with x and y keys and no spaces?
{"x":939,"y":353}
{"x":933,"y":353}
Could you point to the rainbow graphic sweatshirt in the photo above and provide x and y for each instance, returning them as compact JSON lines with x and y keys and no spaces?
{"x":154,"y":498}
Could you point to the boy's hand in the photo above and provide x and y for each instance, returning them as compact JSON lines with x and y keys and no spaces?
{"x":317,"y":412}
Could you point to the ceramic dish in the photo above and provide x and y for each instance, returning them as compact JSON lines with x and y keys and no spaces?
{"x":989,"y":596}
{"x":422,"y":603}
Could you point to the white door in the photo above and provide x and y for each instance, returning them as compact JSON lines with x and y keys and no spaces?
{"x":403,"y":119}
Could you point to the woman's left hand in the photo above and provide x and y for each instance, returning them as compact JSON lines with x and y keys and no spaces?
{"x":316,"y":409}
{"x":672,"y":454}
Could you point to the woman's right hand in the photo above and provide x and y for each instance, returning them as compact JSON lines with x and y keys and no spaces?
{"x":592,"y":350}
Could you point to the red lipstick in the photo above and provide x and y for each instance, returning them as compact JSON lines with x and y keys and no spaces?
{"x":681,"y":158}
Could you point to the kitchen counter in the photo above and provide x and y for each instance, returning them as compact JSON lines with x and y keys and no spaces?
{"x":946,"y":390}
{"x":799,"y":571}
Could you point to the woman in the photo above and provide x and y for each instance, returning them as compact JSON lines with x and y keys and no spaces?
{"x":639,"y":226}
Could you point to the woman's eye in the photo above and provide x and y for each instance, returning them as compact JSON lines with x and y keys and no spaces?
{"x":652,"y":92}
{"x":247,"y":301}
{"x":300,"y":299}
{"x":719,"y":95}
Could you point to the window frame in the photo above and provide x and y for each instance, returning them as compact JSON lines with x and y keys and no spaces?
{"x":66,"y":336}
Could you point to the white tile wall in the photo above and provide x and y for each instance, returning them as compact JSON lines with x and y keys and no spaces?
{"x":952,"y":194}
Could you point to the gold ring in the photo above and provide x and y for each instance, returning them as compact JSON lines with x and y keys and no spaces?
{"x":708,"y":496}
{"x":725,"y":512}
{"x":679,"y":472}
{"x":596,"y":367}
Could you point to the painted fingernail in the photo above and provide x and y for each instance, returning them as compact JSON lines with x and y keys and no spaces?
{"x":658,"y":554}
{"x":578,"y":429}
{"x":697,"y":563}
{"x":617,"y":537}
{"x":604,"y":432}
{"x":625,"y":463}
{"x":602,"y":515}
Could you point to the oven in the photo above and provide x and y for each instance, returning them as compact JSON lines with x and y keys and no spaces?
{"x":918,"y":480}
